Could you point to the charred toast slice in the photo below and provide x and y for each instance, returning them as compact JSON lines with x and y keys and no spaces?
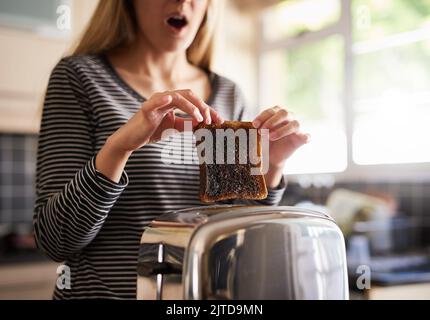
{"x":226,"y":180}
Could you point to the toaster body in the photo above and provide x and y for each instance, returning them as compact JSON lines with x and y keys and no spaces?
{"x":242,"y":252}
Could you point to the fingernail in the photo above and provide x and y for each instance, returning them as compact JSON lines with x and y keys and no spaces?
{"x":199,"y":118}
{"x":208,"y":120}
{"x":256,"y":124}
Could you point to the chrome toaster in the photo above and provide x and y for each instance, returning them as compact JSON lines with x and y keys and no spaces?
{"x":242,"y":252}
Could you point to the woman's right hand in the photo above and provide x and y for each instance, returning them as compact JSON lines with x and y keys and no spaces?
{"x":158,"y":114}
{"x":147,"y":126}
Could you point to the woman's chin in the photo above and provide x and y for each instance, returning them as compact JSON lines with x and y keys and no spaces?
{"x":176,"y":45}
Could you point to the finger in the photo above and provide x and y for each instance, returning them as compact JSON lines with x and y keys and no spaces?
{"x":279,"y":117}
{"x":181,"y":116}
{"x":199,"y":103}
{"x":299,"y":139}
{"x":216,"y":117}
{"x":266,"y":114}
{"x":158,"y":101}
{"x":283,"y":131}
{"x":183,"y":104}
{"x":305,"y":137}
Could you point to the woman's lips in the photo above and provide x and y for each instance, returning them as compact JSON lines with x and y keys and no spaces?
{"x":177,"y":23}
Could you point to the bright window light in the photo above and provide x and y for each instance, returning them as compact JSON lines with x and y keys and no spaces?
{"x":291,"y":18}
{"x":308,"y":81}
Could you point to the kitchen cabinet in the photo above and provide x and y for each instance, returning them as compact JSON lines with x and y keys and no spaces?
{"x":27,"y":58}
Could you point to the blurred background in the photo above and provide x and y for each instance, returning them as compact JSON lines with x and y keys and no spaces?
{"x":355,"y":72}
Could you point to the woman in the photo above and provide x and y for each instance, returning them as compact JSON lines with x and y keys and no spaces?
{"x":100,"y":179}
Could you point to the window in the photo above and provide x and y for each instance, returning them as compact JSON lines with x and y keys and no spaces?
{"x":292,"y":18}
{"x":300,"y":75}
{"x":391,"y":81}
{"x":357,"y":73}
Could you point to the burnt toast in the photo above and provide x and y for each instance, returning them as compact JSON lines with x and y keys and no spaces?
{"x":227,"y":181}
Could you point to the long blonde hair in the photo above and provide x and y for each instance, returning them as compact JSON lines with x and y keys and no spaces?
{"x":113,"y":25}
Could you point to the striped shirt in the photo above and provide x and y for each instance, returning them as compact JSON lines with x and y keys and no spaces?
{"x":82,"y":218}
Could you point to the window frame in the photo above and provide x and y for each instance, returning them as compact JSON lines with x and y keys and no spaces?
{"x":343,"y":27}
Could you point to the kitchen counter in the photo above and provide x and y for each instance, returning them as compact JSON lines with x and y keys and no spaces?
{"x":21,"y":257}
{"x":28,"y":281}
{"x":417,"y":291}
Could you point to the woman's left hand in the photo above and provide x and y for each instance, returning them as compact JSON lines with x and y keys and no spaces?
{"x":284,"y":135}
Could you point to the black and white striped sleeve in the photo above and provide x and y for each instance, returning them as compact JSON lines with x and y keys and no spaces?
{"x":73,"y":199}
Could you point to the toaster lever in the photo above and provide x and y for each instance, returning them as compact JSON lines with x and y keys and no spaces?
{"x":159,"y":275}
{"x":159,"y":258}
{"x":147,"y":269}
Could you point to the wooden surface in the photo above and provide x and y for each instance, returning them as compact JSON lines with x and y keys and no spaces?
{"x":419,"y":291}
{"x":32,"y":281}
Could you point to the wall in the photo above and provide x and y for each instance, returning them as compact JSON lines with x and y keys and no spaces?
{"x":17,"y":177}
{"x":26,"y":61}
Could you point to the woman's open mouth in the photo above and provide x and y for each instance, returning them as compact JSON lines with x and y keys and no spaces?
{"x":177,"y":22}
